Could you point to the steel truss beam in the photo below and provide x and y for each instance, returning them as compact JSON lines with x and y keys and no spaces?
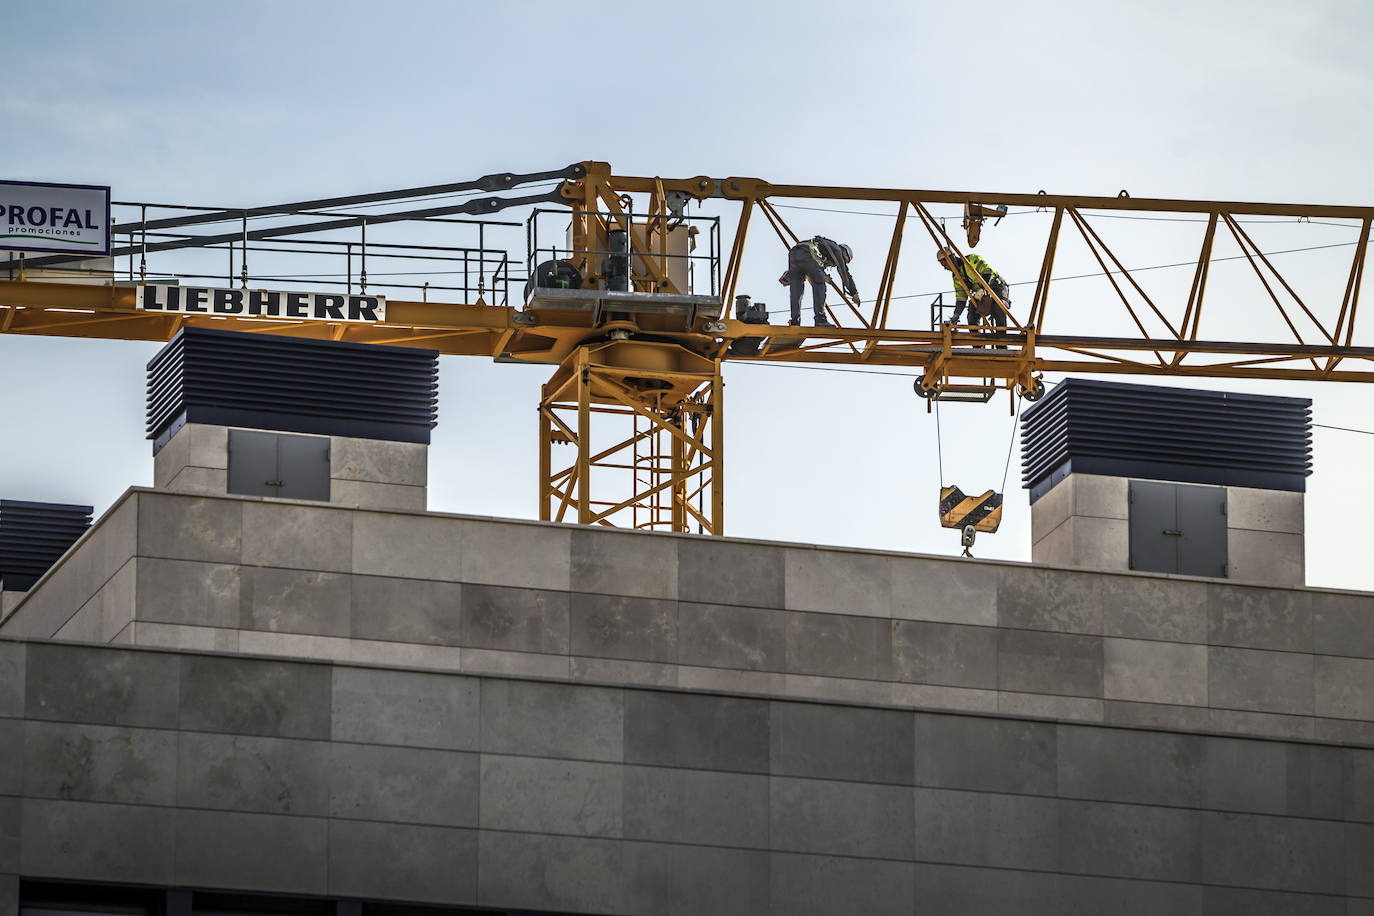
{"x":633,"y":409}
{"x":646,"y":444}
{"x":1178,"y":351}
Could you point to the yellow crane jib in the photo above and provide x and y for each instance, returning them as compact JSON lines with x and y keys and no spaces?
{"x":634,"y":318}
{"x":983,"y":513}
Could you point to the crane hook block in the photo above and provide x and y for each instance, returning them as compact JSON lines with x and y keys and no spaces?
{"x":981,"y":512}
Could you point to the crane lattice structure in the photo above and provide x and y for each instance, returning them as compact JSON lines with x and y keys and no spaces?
{"x":635,"y":397}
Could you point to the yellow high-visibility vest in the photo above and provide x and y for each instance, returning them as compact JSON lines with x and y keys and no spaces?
{"x":973,"y":267}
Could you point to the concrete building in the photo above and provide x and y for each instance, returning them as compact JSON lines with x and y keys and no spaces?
{"x":266,"y":696}
{"x":1173,"y":480}
{"x":222,"y":702}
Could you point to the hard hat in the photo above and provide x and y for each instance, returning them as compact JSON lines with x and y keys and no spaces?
{"x":946,"y":254}
{"x":848,"y":253}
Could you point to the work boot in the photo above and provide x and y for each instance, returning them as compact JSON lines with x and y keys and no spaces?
{"x":794,"y":322}
{"x":823,"y":322}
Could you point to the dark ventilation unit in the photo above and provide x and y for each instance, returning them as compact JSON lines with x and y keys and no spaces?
{"x":1149,"y":432}
{"x":329,"y":388}
{"x":33,"y":536}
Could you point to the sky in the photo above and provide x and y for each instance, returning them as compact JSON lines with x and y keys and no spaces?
{"x":251,"y":103}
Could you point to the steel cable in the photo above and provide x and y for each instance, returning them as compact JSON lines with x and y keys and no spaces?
{"x":1011,"y":445}
{"x":939,"y":445}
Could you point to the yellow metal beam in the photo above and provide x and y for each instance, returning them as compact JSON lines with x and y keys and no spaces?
{"x":639,"y":395}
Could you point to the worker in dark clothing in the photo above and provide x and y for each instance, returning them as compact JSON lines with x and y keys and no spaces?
{"x":970,"y":293}
{"x":807,"y":261}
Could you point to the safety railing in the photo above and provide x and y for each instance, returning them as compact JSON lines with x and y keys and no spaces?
{"x":686,"y":264}
{"x":337,"y":259}
{"x":942,"y":311}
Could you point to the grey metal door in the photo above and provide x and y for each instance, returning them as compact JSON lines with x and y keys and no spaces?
{"x":1202,"y":523}
{"x":252,"y":462}
{"x":1176,"y":528}
{"x":303,"y":467}
{"x":272,"y":464}
{"x":1153,"y":511}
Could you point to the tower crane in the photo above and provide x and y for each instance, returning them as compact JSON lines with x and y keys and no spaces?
{"x":630,"y":421}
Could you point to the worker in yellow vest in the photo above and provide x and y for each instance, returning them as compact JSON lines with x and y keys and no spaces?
{"x":967,"y":272}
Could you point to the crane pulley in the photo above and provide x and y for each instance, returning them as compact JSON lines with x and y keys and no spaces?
{"x":975,"y":213}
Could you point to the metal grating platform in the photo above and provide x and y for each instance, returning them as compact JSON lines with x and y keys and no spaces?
{"x":600,"y":302}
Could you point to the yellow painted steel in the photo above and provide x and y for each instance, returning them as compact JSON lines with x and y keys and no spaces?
{"x":964,"y":510}
{"x":642,"y":423}
{"x":630,"y":421}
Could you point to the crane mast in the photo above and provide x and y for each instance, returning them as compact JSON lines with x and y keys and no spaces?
{"x":628,"y":300}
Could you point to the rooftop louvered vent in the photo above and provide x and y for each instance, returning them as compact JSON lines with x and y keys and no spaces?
{"x":33,"y":536}
{"x":289,"y":384}
{"x":1144,"y":431}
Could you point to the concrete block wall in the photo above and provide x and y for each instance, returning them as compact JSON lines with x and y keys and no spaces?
{"x":378,"y":474}
{"x":92,"y":584}
{"x":1084,"y":521}
{"x":1265,"y":536}
{"x":488,"y":596}
{"x":194,"y":460}
{"x":184,"y":769}
{"x":363,"y":472}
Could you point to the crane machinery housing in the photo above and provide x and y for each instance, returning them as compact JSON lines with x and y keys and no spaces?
{"x":628,"y":299}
